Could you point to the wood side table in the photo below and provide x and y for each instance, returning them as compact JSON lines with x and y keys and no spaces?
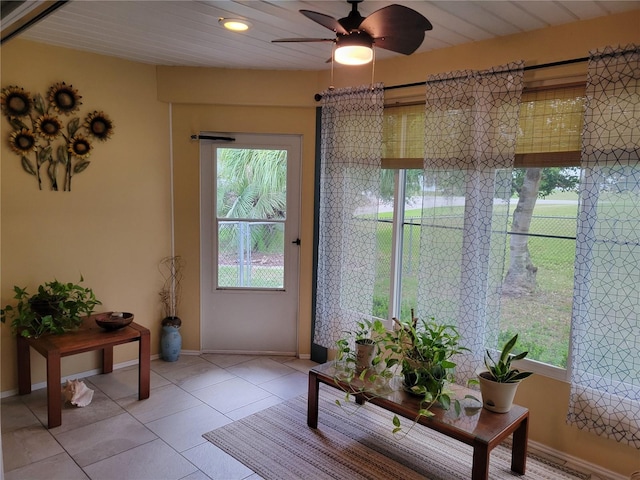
{"x":87,"y":338}
{"x":483,"y":430}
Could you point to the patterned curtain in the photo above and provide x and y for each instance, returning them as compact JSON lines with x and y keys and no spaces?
{"x":471,"y":125}
{"x":349,"y":189}
{"x":605,"y":335}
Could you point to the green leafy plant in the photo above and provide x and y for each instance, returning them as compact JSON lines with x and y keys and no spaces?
{"x":56,"y":307}
{"x":366,"y":332}
{"x":500,"y":370}
{"x":425,"y":354}
{"x":420,"y":352}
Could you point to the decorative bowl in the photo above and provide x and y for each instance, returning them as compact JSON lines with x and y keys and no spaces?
{"x":114,"y":320}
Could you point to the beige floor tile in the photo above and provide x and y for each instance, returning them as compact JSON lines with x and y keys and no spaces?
{"x":197,"y":376}
{"x":226,"y":360}
{"x":199,"y":475}
{"x":28,"y":445}
{"x":57,"y":467}
{"x":14,"y":414}
{"x":301,"y":365}
{"x":151,"y":461}
{"x":124,"y":382}
{"x":184,"y":430}
{"x":163,"y":401}
{"x":260,"y":370}
{"x":216,"y":463}
{"x":101,"y":407}
{"x":231,"y":394}
{"x":104,"y":439}
{"x":288,"y":386}
{"x":162,"y":366}
{"x":280,"y":358}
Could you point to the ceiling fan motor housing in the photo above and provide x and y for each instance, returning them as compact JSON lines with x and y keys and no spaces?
{"x":359,"y":38}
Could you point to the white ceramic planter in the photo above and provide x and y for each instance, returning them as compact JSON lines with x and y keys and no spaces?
{"x":364,"y":354}
{"x":497,"y":397}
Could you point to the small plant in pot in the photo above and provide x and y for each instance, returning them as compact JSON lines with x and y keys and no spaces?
{"x":366,"y":356}
{"x":56,"y":308}
{"x":498,"y":384}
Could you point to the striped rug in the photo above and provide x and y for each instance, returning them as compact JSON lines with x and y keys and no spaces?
{"x":354,"y":442}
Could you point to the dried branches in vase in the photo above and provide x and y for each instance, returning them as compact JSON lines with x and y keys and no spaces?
{"x":171,"y":269}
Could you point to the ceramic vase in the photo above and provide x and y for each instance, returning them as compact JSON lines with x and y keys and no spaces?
{"x":170,"y":343}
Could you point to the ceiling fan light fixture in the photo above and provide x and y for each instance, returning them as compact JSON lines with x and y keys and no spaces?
{"x":234,"y":24}
{"x":354,"y":49}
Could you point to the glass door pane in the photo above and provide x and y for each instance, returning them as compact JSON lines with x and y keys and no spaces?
{"x":250,"y":216}
{"x":250,"y":254}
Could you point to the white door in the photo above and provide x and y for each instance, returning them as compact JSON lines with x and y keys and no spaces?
{"x":250,"y":198}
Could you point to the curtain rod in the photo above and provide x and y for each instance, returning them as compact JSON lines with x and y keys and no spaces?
{"x":318,"y":96}
{"x":216,"y":138}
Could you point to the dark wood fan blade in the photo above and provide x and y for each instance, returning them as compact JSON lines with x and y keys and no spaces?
{"x":396,"y":28}
{"x":290,"y":40}
{"x":406,"y":44}
{"x":325,"y":20}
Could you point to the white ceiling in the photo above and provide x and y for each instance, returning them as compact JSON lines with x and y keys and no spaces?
{"x":187,"y":32}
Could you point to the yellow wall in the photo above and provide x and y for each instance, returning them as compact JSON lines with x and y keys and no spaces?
{"x":135,"y":162}
{"x":114,"y":225}
{"x":547,"y":401}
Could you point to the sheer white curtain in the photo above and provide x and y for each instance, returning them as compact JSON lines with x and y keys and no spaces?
{"x":605,"y":334}
{"x":471,"y":126}
{"x":349,"y":189}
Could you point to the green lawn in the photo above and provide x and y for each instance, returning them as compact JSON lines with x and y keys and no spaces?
{"x":261,"y":277}
{"x":542,"y":319}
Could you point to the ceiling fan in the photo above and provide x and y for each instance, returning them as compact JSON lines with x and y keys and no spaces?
{"x":396,"y":28}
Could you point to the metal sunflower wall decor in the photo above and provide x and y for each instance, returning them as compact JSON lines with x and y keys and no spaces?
{"x":55,"y":151}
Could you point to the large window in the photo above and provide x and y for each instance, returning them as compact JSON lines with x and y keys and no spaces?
{"x":538,"y":275}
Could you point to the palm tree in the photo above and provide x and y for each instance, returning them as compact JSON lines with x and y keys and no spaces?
{"x":251,"y":185}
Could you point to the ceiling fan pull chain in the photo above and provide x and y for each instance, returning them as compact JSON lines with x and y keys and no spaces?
{"x":373,"y":66}
{"x":333,"y":52}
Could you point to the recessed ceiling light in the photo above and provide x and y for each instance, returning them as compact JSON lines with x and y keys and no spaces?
{"x":234,"y":24}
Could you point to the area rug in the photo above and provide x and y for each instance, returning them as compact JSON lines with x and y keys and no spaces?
{"x":354,"y":442}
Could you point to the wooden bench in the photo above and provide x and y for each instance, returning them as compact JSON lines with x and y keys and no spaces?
{"x":483,"y":430}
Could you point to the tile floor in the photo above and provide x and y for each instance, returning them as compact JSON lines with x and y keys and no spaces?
{"x":118,"y":437}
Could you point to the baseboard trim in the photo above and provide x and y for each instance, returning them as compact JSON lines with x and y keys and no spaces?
{"x":573,"y":462}
{"x":252,"y":352}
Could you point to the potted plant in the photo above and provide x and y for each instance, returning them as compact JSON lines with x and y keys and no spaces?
{"x":422,"y":352}
{"x":367,"y":352}
{"x":56,"y":308}
{"x":171,"y":341}
{"x":498,"y":384}
{"x":425,"y":354}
